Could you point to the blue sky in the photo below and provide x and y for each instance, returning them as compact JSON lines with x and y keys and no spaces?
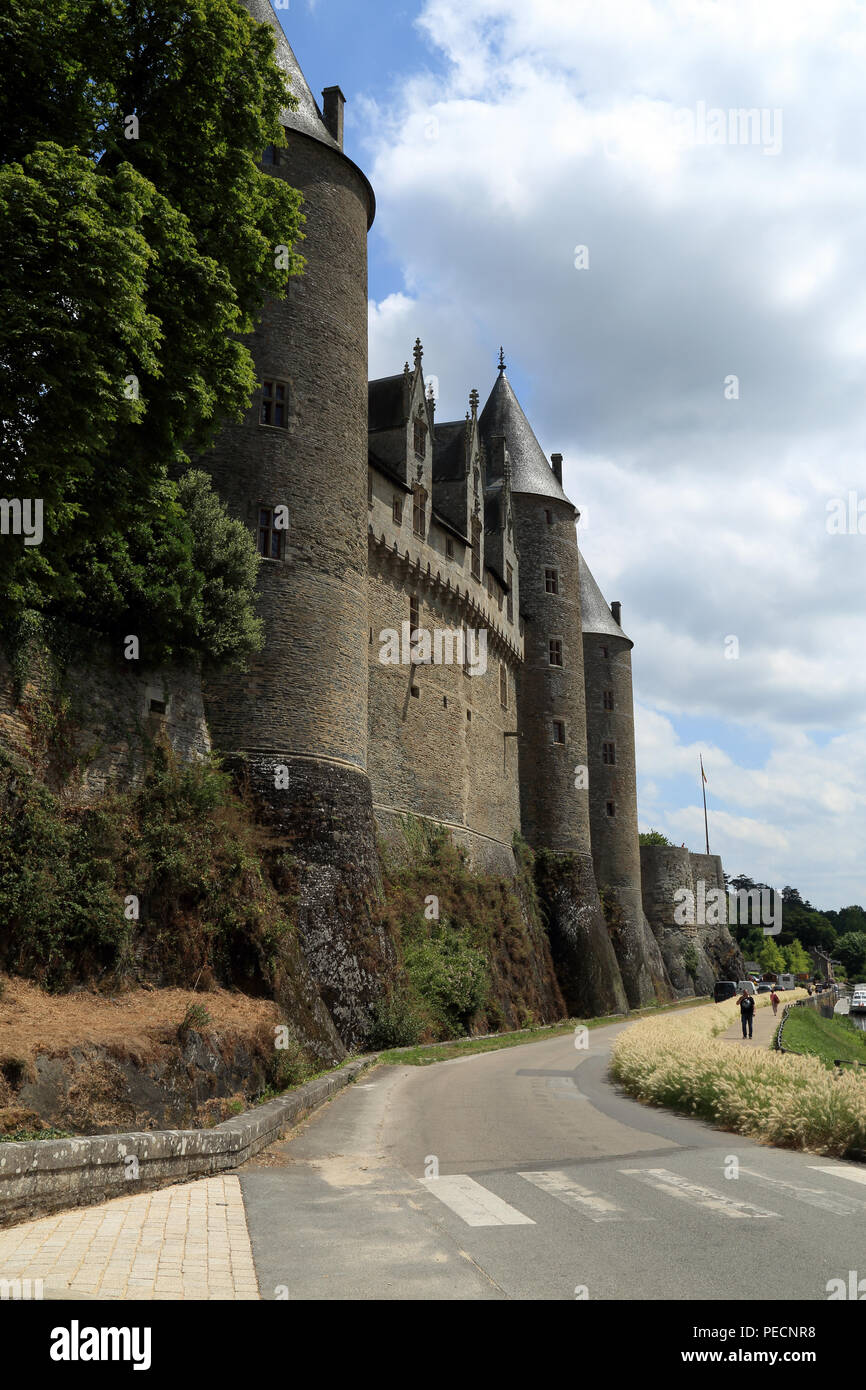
{"x":501,"y":135}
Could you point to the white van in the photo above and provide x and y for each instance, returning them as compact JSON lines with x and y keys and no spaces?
{"x":747,"y":985}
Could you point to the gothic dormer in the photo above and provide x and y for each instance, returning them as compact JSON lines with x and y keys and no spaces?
{"x":458,"y":480}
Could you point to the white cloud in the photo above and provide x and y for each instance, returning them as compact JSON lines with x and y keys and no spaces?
{"x":553,"y":126}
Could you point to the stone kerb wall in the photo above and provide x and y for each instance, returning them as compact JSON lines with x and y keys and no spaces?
{"x":50,"y":1175}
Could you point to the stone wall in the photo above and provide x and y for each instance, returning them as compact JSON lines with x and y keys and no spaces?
{"x":307,"y":690}
{"x":555,"y":811}
{"x":695,"y":955}
{"x":613,"y":816}
{"x":51,"y":1175}
{"x":87,"y":728}
{"x":441,"y":753}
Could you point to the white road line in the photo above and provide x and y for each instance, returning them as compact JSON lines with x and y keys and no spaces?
{"x":592,"y":1204}
{"x":839,"y":1203}
{"x":675,"y":1186}
{"x":473,"y":1203}
{"x":852,"y":1174}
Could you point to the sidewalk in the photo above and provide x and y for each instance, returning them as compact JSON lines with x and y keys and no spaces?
{"x":189,"y":1241}
{"x":764,"y":1026}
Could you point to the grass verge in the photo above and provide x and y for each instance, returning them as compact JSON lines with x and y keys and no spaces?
{"x":777,"y":1098}
{"x":807,"y":1033}
{"x":463,"y":1047}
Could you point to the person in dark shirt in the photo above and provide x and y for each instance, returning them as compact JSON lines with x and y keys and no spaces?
{"x":747,"y":1012}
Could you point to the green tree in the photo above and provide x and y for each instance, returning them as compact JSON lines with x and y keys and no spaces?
{"x":851,"y":951}
{"x":770,"y":957}
{"x":141,"y":239}
{"x":653,"y":837}
{"x":796,"y":958}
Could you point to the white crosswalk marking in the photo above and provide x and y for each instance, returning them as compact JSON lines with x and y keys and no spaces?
{"x":852,"y":1174}
{"x":675,"y":1186}
{"x":839,"y":1203}
{"x":473,"y":1203}
{"x":592,"y":1204}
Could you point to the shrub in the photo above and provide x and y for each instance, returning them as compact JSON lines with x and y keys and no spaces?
{"x":450,"y":976}
{"x":395,"y":1021}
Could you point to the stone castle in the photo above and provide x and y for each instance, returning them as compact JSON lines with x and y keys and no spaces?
{"x":458,"y":539}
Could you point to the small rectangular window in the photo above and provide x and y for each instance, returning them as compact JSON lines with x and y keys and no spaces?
{"x":503,"y":685}
{"x":157,"y":706}
{"x":476,"y":551}
{"x":397,"y":510}
{"x":420,"y":438}
{"x":414,"y":616}
{"x":608,"y":699}
{"x":551,"y":581}
{"x":419,"y":511}
{"x":270,"y":540}
{"x":414,"y":692}
{"x":509,"y":576}
{"x":611,"y":809}
{"x":548,"y":516}
{"x":605,"y":653}
{"x":556,"y":651}
{"x":275,"y":399}
{"x":449,"y":548}
{"x":608,"y":753}
{"x":558,"y":731}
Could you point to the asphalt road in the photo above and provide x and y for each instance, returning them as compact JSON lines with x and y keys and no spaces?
{"x":551,"y":1185}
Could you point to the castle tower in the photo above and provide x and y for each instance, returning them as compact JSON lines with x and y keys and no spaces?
{"x":613,"y":792}
{"x":551,"y":710}
{"x":296,"y":724}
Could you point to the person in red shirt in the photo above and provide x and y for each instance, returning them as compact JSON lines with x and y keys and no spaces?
{"x":774,"y":1000}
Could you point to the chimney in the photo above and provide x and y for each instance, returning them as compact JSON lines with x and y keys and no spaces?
{"x":616,"y":610}
{"x":556,"y":460}
{"x":333,"y":102}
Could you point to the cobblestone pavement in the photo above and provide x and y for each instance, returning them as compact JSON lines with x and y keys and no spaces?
{"x":184,"y":1242}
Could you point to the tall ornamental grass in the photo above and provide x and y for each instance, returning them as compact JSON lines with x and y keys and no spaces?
{"x":678,"y":1061}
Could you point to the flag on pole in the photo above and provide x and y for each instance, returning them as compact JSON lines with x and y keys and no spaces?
{"x":703,"y":790}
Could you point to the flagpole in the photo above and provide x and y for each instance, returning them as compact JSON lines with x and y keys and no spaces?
{"x":704,"y":790}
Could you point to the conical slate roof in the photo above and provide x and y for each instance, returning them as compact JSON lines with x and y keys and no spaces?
{"x":595,"y":613}
{"x":530,"y":470}
{"x":307,"y":118}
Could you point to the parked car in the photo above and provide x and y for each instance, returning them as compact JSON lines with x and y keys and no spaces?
{"x":724,"y":989}
{"x":763,"y":989}
{"x":746,"y":985}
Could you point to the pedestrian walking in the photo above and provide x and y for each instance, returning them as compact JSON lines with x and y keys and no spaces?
{"x":774,"y":1000}
{"x":747,"y":1011}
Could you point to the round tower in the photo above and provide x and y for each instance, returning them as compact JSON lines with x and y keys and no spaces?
{"x":554,"y":800}
{"x":613,"y":792}
{"x":295,"y":724}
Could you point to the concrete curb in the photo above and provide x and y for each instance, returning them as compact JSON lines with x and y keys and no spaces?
{"x":47,"y":1175}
